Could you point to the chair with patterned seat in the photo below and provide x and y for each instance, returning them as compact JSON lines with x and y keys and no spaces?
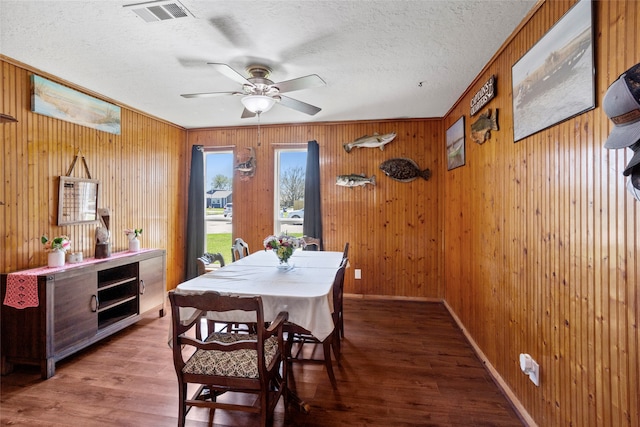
{"x":227,"y":362}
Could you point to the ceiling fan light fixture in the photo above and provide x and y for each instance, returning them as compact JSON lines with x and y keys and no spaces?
{"x":258,"y":104}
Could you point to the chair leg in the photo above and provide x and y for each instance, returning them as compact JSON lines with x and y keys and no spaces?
{"x":182,"y":410}
{"x":326,"y":345}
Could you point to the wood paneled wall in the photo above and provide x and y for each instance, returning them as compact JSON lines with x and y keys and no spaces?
{"x":140,"y":171}
{"x":393,"y":228}
{"x":542,"y":241}
{"x":533,"y":245}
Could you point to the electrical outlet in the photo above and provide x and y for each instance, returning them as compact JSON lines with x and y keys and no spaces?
{"x":358,"y":273}
{"x":530,"y":367}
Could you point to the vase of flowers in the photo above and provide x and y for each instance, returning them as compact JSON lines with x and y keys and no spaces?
{"x":132,"y":235}
{"x":283,"y":246}
{"x":57,"y":247}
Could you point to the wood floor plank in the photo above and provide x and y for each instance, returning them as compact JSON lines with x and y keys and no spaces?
{"x":404,"y":363}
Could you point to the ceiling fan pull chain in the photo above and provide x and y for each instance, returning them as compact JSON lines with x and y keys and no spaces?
{"x":258,"y":129}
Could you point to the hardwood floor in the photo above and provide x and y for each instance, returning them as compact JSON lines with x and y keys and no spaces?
{"x":391,"y":374}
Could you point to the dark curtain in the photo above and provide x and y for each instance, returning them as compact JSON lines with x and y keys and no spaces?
{"x":195,"y":212}
{"x":312,"y":213}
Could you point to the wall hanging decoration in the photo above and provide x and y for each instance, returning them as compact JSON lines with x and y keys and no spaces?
{"x":375,"y":141}
{"x":455,"y":145}
{"x":355,"y":180}
{"x":404,"y":170}
{"x":60,"y":102}
{"x":554,"y":80}
{"x":77,"y":197}
{"x":482,"y":97}
{"x":247,"y":165}
{"x":481,"y":128}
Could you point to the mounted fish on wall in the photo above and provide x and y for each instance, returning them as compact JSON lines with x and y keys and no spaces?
{"x":375,"y":141}
{"x":355,"y":180}
{"x":481,"y":128}
{"x":247,"y":166}
{"x":404,"y":170}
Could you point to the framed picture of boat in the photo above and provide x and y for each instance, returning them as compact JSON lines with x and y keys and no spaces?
{"x":555,"y":80}
{"x":455,"y":145}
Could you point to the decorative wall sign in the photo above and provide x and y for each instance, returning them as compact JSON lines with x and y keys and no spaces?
{"x":60,"y":102}
{"x":482,"y":97}
{"x":481,"y":128}
{"x":554,"y":81}
{"x":455,"y":145}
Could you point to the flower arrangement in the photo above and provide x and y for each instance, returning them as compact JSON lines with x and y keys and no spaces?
{"x":132,"y":234}
{"x":283,"y":245}
{"x":60,"y":243}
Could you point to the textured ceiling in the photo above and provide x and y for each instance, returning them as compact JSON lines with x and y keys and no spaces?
{"x":372,"y":54}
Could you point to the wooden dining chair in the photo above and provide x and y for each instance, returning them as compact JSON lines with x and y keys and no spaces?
{"x":228,"y":362}
{"x":204,"y":262}
{"x":312,"y":241}
{"x":298,"y":337}
{"x":240,"y":249}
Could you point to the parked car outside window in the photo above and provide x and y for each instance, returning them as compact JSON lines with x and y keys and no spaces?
{"x":228,"y":210}
{"x":296,"y":214}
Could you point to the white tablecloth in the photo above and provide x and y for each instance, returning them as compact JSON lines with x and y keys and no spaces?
{"x":303,"y":291}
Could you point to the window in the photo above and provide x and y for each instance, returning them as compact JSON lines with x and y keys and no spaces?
{"x":218,"y":188}
{"x":291,"y":166}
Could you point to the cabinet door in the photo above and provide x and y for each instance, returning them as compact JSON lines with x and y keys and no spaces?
{"x":152,"y":284}
{"x":75,"y":318}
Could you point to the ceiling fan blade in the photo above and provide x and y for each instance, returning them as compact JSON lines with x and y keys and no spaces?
{"x":306,"y":82}
{"x":209,"y":94}
{"x":246,"y":114}
{"x":229,"y":72}
{"x":299,"y":105}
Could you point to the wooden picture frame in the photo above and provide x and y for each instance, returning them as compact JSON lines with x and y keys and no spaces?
{"x":456,"y":145}
{"x":77,"y":200}
{"x":60,"y":102}
{"x":555,"y":80}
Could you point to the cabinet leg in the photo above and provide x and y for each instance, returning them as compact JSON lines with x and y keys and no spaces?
{"x":48,"y":368}
{"x":5,"y":367}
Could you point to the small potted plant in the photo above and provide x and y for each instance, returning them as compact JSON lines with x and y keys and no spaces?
{"x":57,"y":247}
{"x":132,"y":235}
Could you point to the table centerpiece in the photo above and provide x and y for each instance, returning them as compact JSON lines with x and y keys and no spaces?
{"x":283,"y":246}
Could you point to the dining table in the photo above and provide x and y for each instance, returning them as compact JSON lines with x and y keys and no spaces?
{"x":303,"y":289}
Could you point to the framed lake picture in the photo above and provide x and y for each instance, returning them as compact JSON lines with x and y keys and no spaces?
{"x":554,"y":80}
{"x":54,"y":100}
{"x":455,"y":145}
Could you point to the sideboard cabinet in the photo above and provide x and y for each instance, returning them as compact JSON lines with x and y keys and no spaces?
{"x":80,"y":305}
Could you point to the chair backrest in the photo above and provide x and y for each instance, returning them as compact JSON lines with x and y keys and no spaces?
{"x":202,"y":265}
{"x":240,"y":249}
{"x":212,"y":302}
{"x":312,"y":241}
{"x":215,"y":257}
{"x":345,"y":252}
{"x":338,"y":290}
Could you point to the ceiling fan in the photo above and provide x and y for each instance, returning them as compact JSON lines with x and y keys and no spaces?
{"x":259,"y":93}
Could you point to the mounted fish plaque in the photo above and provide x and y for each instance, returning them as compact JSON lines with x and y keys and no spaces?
{"x":481,"y":128}
{"x":482,"y":97}
{"x":404,"y":170}
{"x":375,"y":141}
{"x":355,"y":180}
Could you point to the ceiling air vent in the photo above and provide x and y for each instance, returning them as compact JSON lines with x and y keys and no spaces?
{"x":159,"y":10}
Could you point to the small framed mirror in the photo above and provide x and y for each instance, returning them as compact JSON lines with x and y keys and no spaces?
{"x":77,"y":200}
